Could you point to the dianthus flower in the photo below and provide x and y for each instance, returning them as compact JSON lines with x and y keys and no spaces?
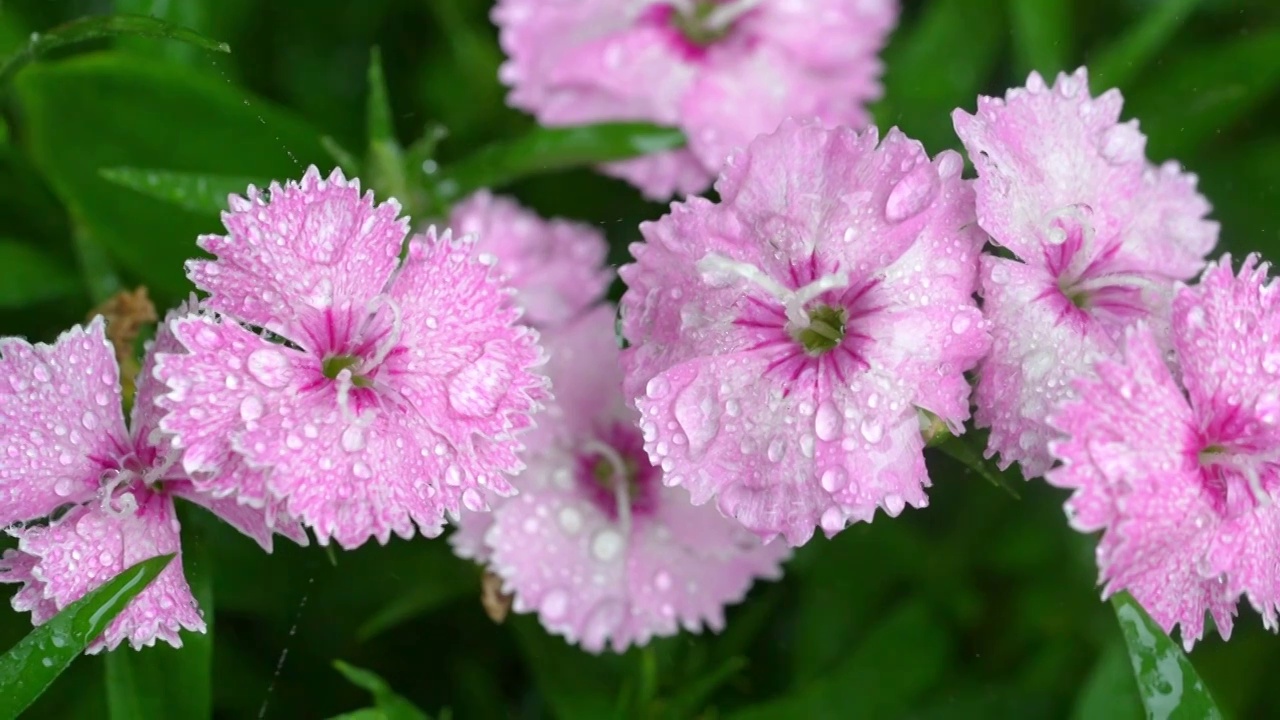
{"x":724,"y":71}
{"x":1183,"y":473}
{"x":785,"y":338}
{"x":1100,"y":237}
{"x":387,"y":393}
{"x":108,"y":491}
{"x":555,"y":266}
{"x":594,"y":542}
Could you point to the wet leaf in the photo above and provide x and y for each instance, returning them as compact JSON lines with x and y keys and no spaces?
{"x":548,"y":149}
{"x":31,"y":666}
{"x":92,"y":28}
{"x":1109,"y":693}
{"x":197,"y":192}
{"x":387,"y":704}
{"x":1167,"y":682}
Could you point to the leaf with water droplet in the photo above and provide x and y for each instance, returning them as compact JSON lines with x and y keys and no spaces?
{"x":387,"y":702}
{"x":545,"y":150}
{"x":101,"y":26}
{"x":1167,"y":681}
{"x":31,"y":666}
{"x":197,"y":192}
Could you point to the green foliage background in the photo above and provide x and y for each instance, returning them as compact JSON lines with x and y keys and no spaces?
{"x":981,"y":605}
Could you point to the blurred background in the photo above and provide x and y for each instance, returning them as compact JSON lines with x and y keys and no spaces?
{"x":983,"y":604}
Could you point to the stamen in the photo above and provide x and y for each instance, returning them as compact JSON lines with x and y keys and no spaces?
{"x":621,"y":491}
{"x":719,"y":19}
{"x":792,"y":301}
{"x":392,"y":338}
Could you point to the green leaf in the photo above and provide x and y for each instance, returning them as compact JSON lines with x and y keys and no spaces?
{"x":28,"y":669}
{"x":1118,"y":64}
{"x":164,"y":116}
{"x":438,"y":579}
{"x":1203,"y":91}
{"x":549,"y":149}
{"x":193,"y":14}
{"x":387,"y":704}
{"x":938,"y":64}
{"x":896,"y":665}
{"x":168,"y":682}
{"x":1041,"y":35}
{"x":574,"y":684}
{"x":29,"y":276}
{"x":1167,"y":682}
{"x":92,"y":28}
{"x":384,"y":164}
{"x":1109,"y":693}
{"x":197,"y":192}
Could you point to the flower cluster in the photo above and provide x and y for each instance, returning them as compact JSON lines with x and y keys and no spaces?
{"x":791,"y":349}
{"x":721,"y":70}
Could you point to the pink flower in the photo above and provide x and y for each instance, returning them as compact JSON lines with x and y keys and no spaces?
{"x":594,"y":543}
{"x":555,"y":266}
{"x":722,"y":70}
{"x":1101,"y":236}
{"x":786,"y":338}
{"x":1183,"y":472}
{"x":107,"y":491}
{"x":391,"y":392}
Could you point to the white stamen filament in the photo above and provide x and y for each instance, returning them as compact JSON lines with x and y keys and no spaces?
{"x":621,"y":492}
{"x":392,"y":338}
{"x":723,"y":16}
{"x":128,"y":504}
{"x":792,"y":301}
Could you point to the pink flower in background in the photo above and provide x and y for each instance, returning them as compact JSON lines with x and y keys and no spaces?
{"x":393,"y":391}
{"x":66,"y":447}
{"x":1183,"y":472}
{"x":1100,"y":237}
{"x":594,"y":543}
{"x":785,"y":339}
{"x":724,"y":71}
{"x":556,"y":266}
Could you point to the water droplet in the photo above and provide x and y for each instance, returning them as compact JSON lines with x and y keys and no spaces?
{"x":42,"y":373}
{"x":827,"y":422}
{"x":606,"y":545}
{"x":360,"y":470}
{"x":89,"y":420}
{"x":834,"y":479}
{"x":698,"y":412}
{"x":65,"y":486}
{"x":570,"y":520}
{"x":662,"y":580}
{"x":293,"y":442}
{"x":474,"y":501}
{"x":64,"y":458}
{"x":893,"y":504}
{"x":912,"y":193}
{"x":251,"y":408}
{"x":1123,"y":144}
{"x":353,"y":439}
{"x":554,"y":604}
{"x":832,"y":521}
{"x":657,"y":388}
{"x":777,"y":448}
{"x":453,"y":476}
{"x":872,"y":431}
{"x":321,"y":295}
{"x":269,"y":367}
{"x":477,"y":389}
{"x":961,"y":322}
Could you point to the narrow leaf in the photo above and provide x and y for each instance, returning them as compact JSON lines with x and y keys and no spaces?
{"x":168,"y":682}
{"x":378,"y":105}
{"x":31,"y":666}
{"x":390,"y":705}
{"x":29,"y":276}
{"x":1118,"y":64}
{"x":92,"y":28}
{"x":1041,"y":32}
{"x":549,"y":149}
{"x":197,"y":192}
{"x":1167,"y":682}
{"x":1109,"y":693}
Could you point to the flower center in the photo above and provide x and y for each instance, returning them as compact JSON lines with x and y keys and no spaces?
{"x":335,"y":364}
{"x":825,"y":330}
{"x":706,"y":22}
{"x":615,"y":473}
{"x":607,"y":474}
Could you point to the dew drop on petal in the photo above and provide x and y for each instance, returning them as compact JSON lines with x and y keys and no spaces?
{"x":657,"y":388}
{"x":912,"y":193}
{"x":827,"y":422}
{"x":89,"y":420}
{"x":570,"y":520}
{"x":474,"y":501}
{"x":606,"y":545}
{"x":353,"y":439}
{"x":662,"y":580}
{"x":834,"y":479}
{"x":872,"y":431}
{"x":269,"y":367}
{"x":554,"y":604}
{"x":361,"y":470}
{"x":961,"y":322}
{"x":477,"y":389}
{"x":251,"y":408}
